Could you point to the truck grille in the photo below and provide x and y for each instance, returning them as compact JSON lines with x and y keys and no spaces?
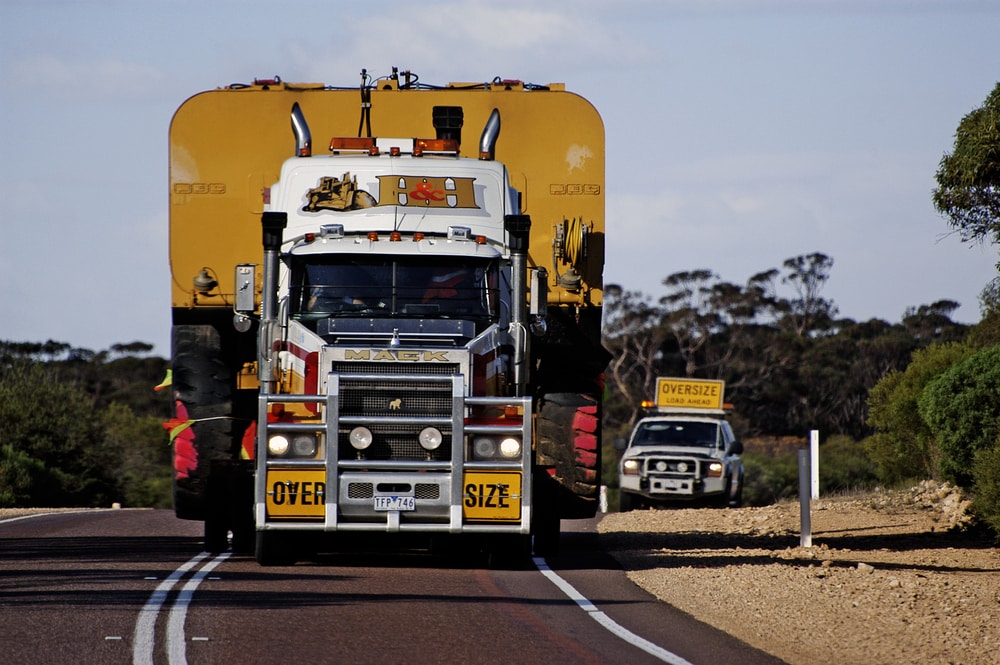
{"x":395,"y":398}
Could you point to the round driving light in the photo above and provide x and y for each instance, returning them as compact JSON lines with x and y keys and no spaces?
{"x":304,"y":445}
{"x":278,"y":444}
{"x":662,"y":466}
{"x":430,"y":438}
{"x":483,"y":446}
{"x":510,"y":447}
{"x":361,"y":438}
{"x":682,"y":467}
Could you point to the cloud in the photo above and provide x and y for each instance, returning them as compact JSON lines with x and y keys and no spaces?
{"x":93,"y":80}
{"x":458,"y":41}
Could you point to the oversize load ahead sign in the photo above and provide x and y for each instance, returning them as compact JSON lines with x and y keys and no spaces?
{"x":690,"y":393}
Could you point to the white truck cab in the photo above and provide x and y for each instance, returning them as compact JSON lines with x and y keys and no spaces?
{"x":683,"y":452}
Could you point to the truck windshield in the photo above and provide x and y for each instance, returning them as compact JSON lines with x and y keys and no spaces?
{"x":677,"y":433}
{"x":445,"y":287}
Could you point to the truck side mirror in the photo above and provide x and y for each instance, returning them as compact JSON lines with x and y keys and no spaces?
{"x":538,"y":306}
{"x":620,"y":443}
{"x":735,"y":448}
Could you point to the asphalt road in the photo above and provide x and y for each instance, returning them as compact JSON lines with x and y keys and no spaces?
{"x":134,"y":586}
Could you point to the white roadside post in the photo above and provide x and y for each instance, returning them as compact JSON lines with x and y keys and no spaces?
{"x":805,"y":519}
{"x":814,"y":465}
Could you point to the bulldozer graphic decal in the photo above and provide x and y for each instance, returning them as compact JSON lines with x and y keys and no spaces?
{"x":339,"y":194}
{"x":342,"y":194}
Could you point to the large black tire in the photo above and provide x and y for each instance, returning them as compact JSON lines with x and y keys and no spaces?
{"x":735,"y":499}
{"x":276,"y":548}
{"x":508,"y":552}
{"x":625,"y":502}
{"x":204,"y":384}
{"x":545,"y":520}
{"x":229,"y":507}
{"x":568,"y":440}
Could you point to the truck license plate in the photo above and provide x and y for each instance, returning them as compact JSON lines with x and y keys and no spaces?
{"x":389,"y":503}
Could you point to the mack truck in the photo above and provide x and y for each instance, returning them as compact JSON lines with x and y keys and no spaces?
{"x":398,"y":334}
{"x":682,"y":449}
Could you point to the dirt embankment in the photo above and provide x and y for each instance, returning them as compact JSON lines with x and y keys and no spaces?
{"x":891,"y":577}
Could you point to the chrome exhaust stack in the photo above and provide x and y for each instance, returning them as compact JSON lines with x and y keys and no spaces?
{"x":303,"y":137}
{"x":491,"y":132}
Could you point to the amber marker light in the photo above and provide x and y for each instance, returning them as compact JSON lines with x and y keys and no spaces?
{"x":435,"y":145}
{"x":362,"y":143}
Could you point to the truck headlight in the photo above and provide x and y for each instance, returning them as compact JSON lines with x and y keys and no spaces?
{"x":430,"y":438}
{"x":278,"y":445}
{"x":488,"y":447}
{"x":510,"y":447}
{"x":304,"y":445}
{"x":360,"y":438}
{"x":715,"y":470}
{"x":630,"y":467}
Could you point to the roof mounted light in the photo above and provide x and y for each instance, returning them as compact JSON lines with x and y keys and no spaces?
{"x":435,"y":145}
{"x":352,"y":144}
{"x":331,"y":231}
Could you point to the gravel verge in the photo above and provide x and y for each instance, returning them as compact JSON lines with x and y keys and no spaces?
{"x":891,"y":577}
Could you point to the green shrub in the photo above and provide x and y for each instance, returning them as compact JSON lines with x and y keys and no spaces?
{"x":962,"y":409}
{"x":904,"y":447}
{"x":845,"y":465}
{"x":768,"y":479}
{"x":986,"y":486}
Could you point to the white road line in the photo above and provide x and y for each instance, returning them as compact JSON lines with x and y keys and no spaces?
{"x":176,"y":642}
{"x":53,"y":512}
{"x":144,"y":639}
{"x":607,"y":622}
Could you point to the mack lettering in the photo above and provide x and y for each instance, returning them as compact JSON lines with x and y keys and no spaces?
{"x":386,"y":355}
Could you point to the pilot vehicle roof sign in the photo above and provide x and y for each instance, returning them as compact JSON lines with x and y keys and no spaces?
{"x":690,"y":393}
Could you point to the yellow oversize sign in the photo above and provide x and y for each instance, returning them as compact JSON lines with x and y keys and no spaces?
{"x":296,"y":493}
{"x":690,"y":393}
{"x":492,"y":496}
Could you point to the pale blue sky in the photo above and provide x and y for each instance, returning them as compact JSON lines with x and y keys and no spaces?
{"x":740,"y":133}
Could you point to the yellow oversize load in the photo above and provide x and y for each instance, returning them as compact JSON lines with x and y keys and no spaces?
{"x":296,"y":493}
{"x":690,"y":393}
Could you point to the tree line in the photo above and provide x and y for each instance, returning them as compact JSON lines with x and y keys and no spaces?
{"x":82,"y":428}
{"x":789,"y":363}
